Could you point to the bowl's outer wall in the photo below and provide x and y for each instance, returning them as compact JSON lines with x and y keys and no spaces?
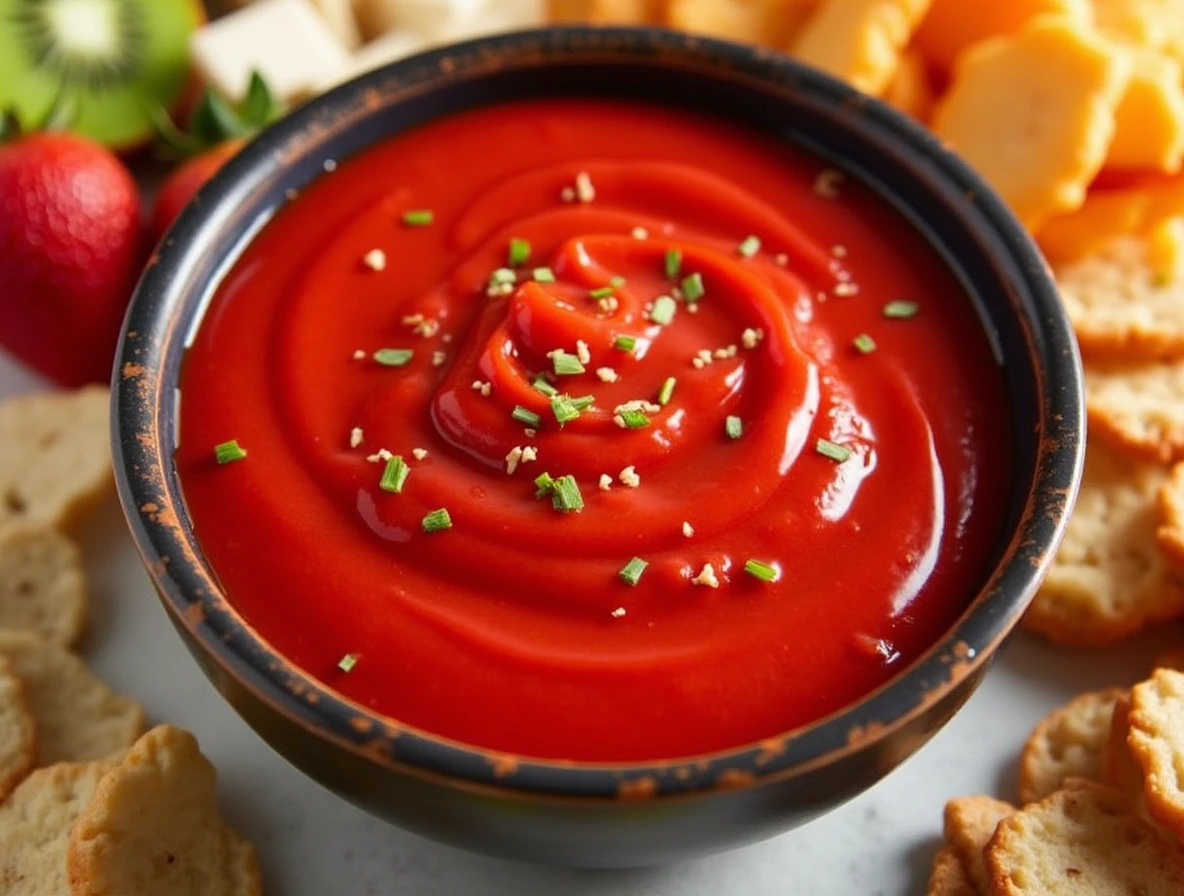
{"x":549,"y":811}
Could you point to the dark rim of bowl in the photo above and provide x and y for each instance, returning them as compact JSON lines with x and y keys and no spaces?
{"x":151,"y":494}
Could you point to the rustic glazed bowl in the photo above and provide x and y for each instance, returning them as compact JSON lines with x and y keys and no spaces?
{"x":580,"y":814}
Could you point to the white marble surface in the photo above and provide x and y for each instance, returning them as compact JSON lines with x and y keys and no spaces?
{"x":312,"y":844}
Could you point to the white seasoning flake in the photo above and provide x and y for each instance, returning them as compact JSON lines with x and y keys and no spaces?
{"x":826,"y":184}
{"x":751,"y":337}
{"x":618,"y":612}
{"x":529,"y":454}
{"x":640,"y":233}
{"x":355,"y":437}
{"x":606,"y":482}
{"x":609,"y":305}
{"x":722,"y":354}
{"x":585,"y":190}
{"x":486,"y":389}
{"x":629,"y":477}
{"x":582,"y":352}
{"x":438,"y":358}
{"x":513,"y":459}
{"x":706,"y":577}
{"x":688,"y":530}
{"x":359,"y":355}
{"x":846,"y":289}
{"x":419,"y":453}
{"x":606,"y":374}
{"x":703,"y":357}
{"x":380,"y":457}
{"x":375,"y":260}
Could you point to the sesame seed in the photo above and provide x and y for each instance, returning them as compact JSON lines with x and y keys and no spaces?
{"x":618,"y":612}
{"x":629,"y":477}
{"x":698,"y":363}
{"x":484,"y":388}
{"x":375,"y":260}
{"x":582,"y":352}
{"x":751,"y":337}
{"x":419,"y":453}
{"x":606,"y":374}
{"x":706,"y":577}
{"x":640,"y":233}
{"x":438,"y":358}
{"x":688,"y":530}
{"x":606,"y":482}
{"x":355,"y":437}
{"x":585,"y":191}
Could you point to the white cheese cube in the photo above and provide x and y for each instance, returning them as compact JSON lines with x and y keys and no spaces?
{"x":445,"y":20}
{"x":339,"y":16}
{"x":287,"y":41}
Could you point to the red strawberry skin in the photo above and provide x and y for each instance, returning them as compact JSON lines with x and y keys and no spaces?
{"x":70,"y":253}
{"x":185,"y":180}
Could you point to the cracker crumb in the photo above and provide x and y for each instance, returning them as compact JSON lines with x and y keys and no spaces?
{"x":583,"y":352}
{"x":381,"y":456}
{"x":846,"y":288}
{"x":529,"y":453}
{"x":629,"y":477}
{"x":751,"y":337}
{"x":607,"y":374}
{"x":486,"y":389}
{"x":609,"y":304}
{"x":438,"y":358}
{"x":618,"y":612}
{"x":640,"y":233}
{"x":585,"y":190}
{"x":375,"y":260}
{"x":513,"y":459}
{"x":706,"y":577}
{"x":688,"y":530}
{"x":359,"y":355}
{"x":606,"y":482}
{"x":419,"y":453}
{"x":355,"y":437}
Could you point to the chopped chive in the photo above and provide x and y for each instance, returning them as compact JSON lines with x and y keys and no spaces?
{"x":603,"y":293}
{"x":566,"y":364}
{"x":394,"y":476}
{"x":750,"y":246}
{"x":864,"y":344}
{"x":673,"y":263}
{"x":347,"y":662}
{"x":526,"y":416}
{"x":734,"y":427}
{"x":420,"y":217}
{"x":901,"y":309}
{"x":625,"y":344}
{"x":692,"y":287}
{"x":566,"y":497}
{"x":582,"y":403}
{"x":393,"y":357}
{"x":835,"y":452}
{"x":667,"y":391}
{"x":544,"y":275}
{"x":663,"y":310}
{"x":519,"y":253}
{"x":229,"y":452}
{"x":617,"y":282}
{"x":634,"y":419}
{"x":762,"y":571}
{"x":543,"y":385}
{"x":565,"y":408}
{"x":631,"y":572}
{"x":437,"y":521}
{"x":544,"y":485}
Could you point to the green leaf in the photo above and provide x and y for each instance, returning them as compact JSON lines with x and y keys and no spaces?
{"x":214,"y":121}
{"x":259,"y":108}
{"x":10,"y":126}
{"x":172,"y":143}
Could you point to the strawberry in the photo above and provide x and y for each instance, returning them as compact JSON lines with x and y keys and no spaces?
{"x":185,"y":180}
{"x":70,"y":253}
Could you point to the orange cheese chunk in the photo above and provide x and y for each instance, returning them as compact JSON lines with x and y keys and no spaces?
{"x":910,"y":90}
{"x":1034,"y":113}
{"x":1149,"y":132}
{"x":605,"y":12}
{"x":953,"y":26}
{"x":772,"y":23}
{"x":859,"y":41}
{"x":1165,"y":249}
{"x":1153,"y":24}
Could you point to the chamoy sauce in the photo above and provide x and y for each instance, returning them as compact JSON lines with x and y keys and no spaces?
{"x":595,"y":431}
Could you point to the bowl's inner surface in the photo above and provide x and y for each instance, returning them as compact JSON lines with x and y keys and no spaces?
{"x":999,"y":271}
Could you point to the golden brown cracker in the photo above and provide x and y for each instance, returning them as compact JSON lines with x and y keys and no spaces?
{"x":1119,"y":769}
{"x":1138,"y":408}
{"x":153,"y":827}
{"x":42,"y":582}
{"x":55,"y":455}
{"x":18,"y":744}
{"x":78,"y":717}
{"x":1083,"y":839}
{"x":947,"y":876}
{"x":1108,"y":580}
{"x":1122,"y":305}
{"x":1169,"y":537}
{"x":970,"y":822}
{"x":1067,"y":743}
{"x":1156,"y":741}
{"x":35,"y":823}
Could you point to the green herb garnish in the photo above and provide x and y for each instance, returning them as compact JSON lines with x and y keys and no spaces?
{"x":229,"y":452}
{"x":750,"y":246}
{"x":625,"y":344}
{"x":762,"y":571}
{"x":602,"y":293}
{"x":393,"y":357}
{"x":347,"y":662}
{"x":526,"y":416}
{"x":673,"y":263}
{"x":834,"y":451}
{"x":663,"y":311}
{"x":634,"y":419}
{"x":543,"y":385}
{"x":617,"y":282}
{"x":692,"y":287}
{"x":421,"y":217}
{"x":544,"y":275}
{"x":566,"y":364}
{"x":519,"y":253}
{"x":734,"y":427}
{"x":901,"y":309}
{"x":544,"y":485}
{"x":631,"y":572}
{"x":667,"y":391}
{"x":437,"y":521}
{"x":394,"y":475}
{"x":566,"y":497}
{"x":864,"y":344}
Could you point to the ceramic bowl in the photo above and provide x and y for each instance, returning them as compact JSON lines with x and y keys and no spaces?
{"x":560,"y":812}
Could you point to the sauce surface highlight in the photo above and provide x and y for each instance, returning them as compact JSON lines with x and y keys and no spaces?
{"x":499,"y":315}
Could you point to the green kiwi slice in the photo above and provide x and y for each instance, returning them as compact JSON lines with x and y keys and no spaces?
{"x":113,"y":63}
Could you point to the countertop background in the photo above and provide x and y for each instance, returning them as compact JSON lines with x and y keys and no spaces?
{"x":313,"y":844}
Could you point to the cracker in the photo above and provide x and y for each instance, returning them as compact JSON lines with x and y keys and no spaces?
{"x":1169,"y":537}
{"x":78,"y":717}
{"x":970,"y":822}
{"x":1085,"y":839}
{"x":18,"y":745}
{"x":1108,"y":580}
{"x":948,"y":877}
{"x":1138,"y":408}
{"x":1121,"y":306}
{"x":1119,"y":769}
{"x":153,"y":827}
{"x":1156,"y":741}
{"x":1067,"y":743}
{"x":55,"y":455}
{"x":42,"y":583}
{"x":35,"y":825}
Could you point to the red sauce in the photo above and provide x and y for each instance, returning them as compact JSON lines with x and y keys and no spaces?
{"x":512,"y":629}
